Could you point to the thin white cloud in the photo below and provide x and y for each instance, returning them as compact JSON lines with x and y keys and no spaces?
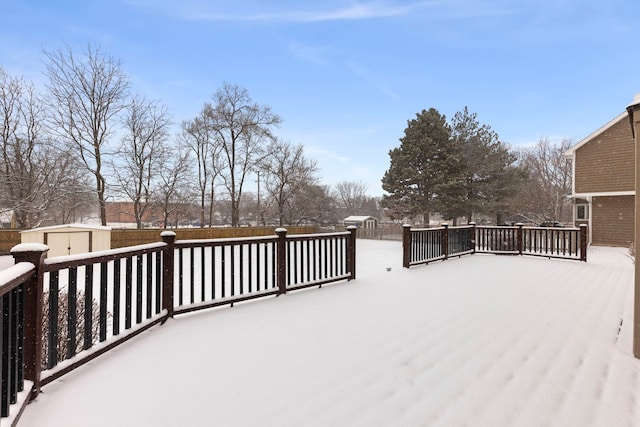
{"x":269,"y":13}
{"x":317,"y":152}
{"x":314,"y":54}
{"x":373,"y":79}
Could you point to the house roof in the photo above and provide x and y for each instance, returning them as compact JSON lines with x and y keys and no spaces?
{"x":570,"y":152}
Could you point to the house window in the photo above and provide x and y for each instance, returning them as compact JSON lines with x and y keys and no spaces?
{"x":582,"y":212}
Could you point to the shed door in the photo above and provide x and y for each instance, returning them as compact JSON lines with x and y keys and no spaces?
{"x":69,"y":243}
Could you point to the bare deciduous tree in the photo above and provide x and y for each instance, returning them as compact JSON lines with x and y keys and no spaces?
{"x":286,"y":172}
{"x":142,"y":152}
{"x":313,"y":204}
{"x":198,"y":137}
{"x":544,"y":196}
{"x":174,"y":192}
{"x":351,"y":199}
{"x":85,"y":95}
{"x":242,"y":130}
{"x":34,"y":172}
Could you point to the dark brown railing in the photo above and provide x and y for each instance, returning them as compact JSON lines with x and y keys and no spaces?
{"x":20,"y":318}
{"x":60,"y":313}
{"x":97,"y":301}
{"x":217,"y":272}
{"x":424,"y":245}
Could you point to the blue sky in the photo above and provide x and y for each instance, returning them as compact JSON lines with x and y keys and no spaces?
{"x":345,"y":76}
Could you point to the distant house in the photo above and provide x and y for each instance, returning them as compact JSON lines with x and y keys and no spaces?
{"x":121,"y":214}
{"x":604,"y":183}
{"x":361,"y":221}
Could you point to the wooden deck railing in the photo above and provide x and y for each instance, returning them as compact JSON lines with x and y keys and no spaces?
{"x":20,"y":319}
{"x":424,"y":245}
{"x":98,"y":300}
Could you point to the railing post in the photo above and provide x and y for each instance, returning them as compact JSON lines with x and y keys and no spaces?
{"x":406,"y":245}
{"x":33,"y":296}
{"x":445,"y":240}
{"x":583,"y":242}
{"x":169,"y":237}
{"x":281,"y":264}
{"x":519,"y":240}
{"x":351,"y":251}
{"x":472,"y":236}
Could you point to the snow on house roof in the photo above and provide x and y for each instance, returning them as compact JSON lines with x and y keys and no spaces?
{"x":541,"y":343}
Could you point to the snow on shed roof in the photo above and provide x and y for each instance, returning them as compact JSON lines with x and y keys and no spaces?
{"x":67,"y":226}
{"x":358,"y":218}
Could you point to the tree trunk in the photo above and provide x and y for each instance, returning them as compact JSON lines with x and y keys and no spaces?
{"x":235,"y":213}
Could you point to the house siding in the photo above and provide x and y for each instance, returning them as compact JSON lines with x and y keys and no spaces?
{"x":606,"y":163}
{"x":613,"y":221}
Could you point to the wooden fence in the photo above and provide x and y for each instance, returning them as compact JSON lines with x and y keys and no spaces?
{"x":125,"y":237}
{"x":424,"y":245}
{"x":99,"y":300}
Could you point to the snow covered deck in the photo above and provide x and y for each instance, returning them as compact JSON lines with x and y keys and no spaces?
{"x":483,"y":340}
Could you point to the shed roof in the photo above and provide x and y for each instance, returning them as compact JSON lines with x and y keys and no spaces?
{"x":358,"y":218}
{"x":67,"y":226}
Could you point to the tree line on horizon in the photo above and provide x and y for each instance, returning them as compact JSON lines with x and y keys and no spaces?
{"x":89,"y":138}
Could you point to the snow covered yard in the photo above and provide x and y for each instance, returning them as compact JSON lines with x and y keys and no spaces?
{"x":483,"y":340}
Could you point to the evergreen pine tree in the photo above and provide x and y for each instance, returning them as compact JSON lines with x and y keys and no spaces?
{"x":425,"y":173}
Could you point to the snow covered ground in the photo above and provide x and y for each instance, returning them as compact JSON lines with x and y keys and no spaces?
{"x":483,"y":340}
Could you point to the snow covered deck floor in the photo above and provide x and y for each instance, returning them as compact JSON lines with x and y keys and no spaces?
{"x":483,"y":340}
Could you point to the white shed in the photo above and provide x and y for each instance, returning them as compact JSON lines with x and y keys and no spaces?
{"x":69,"y":239}
{"x":361,"y":221}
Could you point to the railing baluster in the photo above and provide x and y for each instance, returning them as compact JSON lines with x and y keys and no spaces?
{"x":250,"y":264}
{"x":128,"y":290}
{"x":180,"y":277}
{"x":88,"y":307}
{"x":116,"y":297}
{"x":149,"y":290}
{"x":257,"y":265}
{"x":52,"y":339}
{"x":20,"y":329}
{"x":293,"y":265}
{"x":158,"y":267}
{"x":241,"y":268}
{"x":308,"y":257}
{"x":202,"y":273}
{"x":213,"y":272}
{"x":103,"y":300}
{"x":15,"y":346}
{"x":232,"y":269}
{"x":6,"y":350}
{"x":72,"y":313}
{"x":191,"y":275}
{"x":274,"y":282}
{"x":223,"y":270}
